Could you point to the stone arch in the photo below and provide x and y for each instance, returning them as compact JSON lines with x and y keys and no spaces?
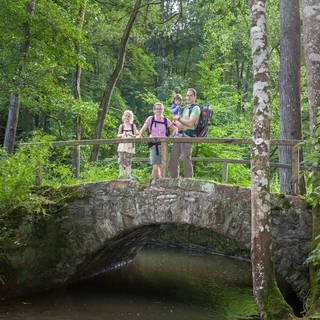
{"x":122,"y":248}
{"x":113,"y":207}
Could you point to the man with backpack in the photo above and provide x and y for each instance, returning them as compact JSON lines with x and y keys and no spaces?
{"x":186,"y":123}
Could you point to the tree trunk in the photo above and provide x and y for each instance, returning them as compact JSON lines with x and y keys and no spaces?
{"x":311,"y":30}
{"x":289,"y":88}
{"x":14,"y":108}
{"x":113,"y":80}
{"x":12,"y":122}
{"x":270,"y":302}
{"x":77,"y":96}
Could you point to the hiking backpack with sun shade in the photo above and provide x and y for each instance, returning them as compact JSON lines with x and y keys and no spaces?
{"x":202,"y":128}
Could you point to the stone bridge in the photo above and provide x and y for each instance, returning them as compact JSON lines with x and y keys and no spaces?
{"x":103,"y":224}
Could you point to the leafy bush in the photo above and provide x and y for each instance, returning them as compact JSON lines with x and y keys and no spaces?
{"x":312,"y":161}
{"x":102,"y":170}
{"x":18,"y":176}
{"x":314,"y":257}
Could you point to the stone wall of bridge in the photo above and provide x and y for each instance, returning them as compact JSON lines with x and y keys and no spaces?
{"x":103,"y":224}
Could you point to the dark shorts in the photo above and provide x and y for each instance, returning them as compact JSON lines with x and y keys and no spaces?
{"x":155,"y":158}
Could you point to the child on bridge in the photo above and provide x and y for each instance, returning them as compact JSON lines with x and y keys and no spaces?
{"x":176,"y":108}
{"x":126,"y":150}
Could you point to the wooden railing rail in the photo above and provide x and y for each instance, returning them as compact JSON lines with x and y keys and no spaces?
{"x":168,"y":140}
{"x":295,"y":165}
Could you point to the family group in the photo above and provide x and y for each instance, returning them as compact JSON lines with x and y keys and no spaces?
{"x":185,"y":119}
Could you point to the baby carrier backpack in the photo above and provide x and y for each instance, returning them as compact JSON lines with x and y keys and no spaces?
{"x":202,"y":128}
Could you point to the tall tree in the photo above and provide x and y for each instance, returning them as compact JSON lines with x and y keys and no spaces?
{"x":311,"y":31}
{"x":104,"y":105}
{"x":289,"y":87}
{"x":14,"y":107}
{"x":270,"y":302}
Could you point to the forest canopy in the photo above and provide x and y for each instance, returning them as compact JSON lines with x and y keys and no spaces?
{"x":172,"y":45}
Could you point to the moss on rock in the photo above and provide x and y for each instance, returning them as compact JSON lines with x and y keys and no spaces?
{"x":275,"y":307}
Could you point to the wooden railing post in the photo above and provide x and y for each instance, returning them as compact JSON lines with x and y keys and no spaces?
{"x":295,"y":183}
{"x":164,"y":157}
{"x":76,"y":161}
{"x":225,"y":172}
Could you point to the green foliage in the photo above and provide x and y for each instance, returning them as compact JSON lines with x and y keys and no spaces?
{"x":238,"y":174}
{"x":17,"y":178}
{"x":206,"y":46}
{"x":103,"y":170}
{"x":312,"y":160}
{"x":314,"y":257}
{"x":275,"y":182}
{"x":171,"y":85}
{"x":226,"y":79}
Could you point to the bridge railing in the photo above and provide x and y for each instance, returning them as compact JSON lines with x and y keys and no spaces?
{"x":294,"y":144}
